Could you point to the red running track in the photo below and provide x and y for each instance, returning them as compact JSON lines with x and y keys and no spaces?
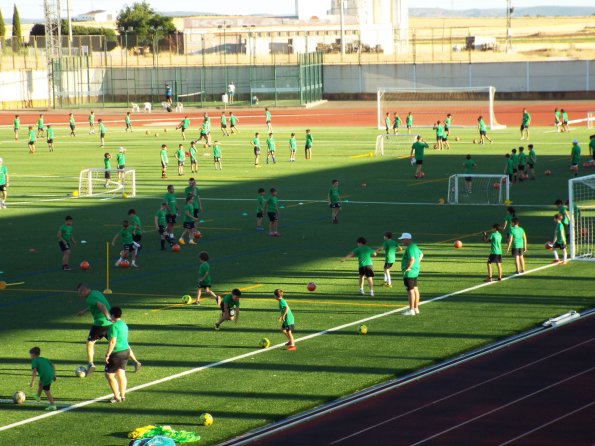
{"x":540,"y":391}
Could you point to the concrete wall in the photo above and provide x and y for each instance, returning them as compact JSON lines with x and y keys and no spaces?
{"x":24,"y":88}
{"x":509,"y":77}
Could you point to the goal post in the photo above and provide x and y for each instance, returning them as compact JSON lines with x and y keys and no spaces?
{"x":478,"y":189}
{"x":590,"y":119}
{"x":581,"y":205}
{"x":96,"y":182}
{"x":427,"y":105}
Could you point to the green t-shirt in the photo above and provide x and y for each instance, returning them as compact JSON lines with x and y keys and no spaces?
{"x":44,"y":370}
{"x":271,"y":144}
{"x":509,"y":166}
{"x":127,"y":119}
{"x":260,"y":203}
{"x":50,"y":133}
{"x":495,"y":243}
{"x":256,"y":142}
{"x":192,"y":190}
{"x":231,"y":303}
{"x":515,"y":159}
{"x":135,"y":224}
{"x":161,"y":213}
{"x":576,"y":154}
{"x":390,"y":250}
{"x":180,"y":155}
{"x":557,"y":116}
{"x":40,"y":123}
{"x":560,"y":233}
{"x":16,"y":123}
{"x":203,"y":269}
{"x":409,"y":120}
{"x":107,"y":163}
{"x":397,"y":121}
{"x":508,"y":220}
{"x":163,"y":155}
{"x":185,"y":123}
{"x":121,"y":159}
{"x":91,"y":118}
{"x":3,"y":173}
{"x":232,"y":120}
{"x":565,"y":117}
{"x":267,"y":116}
{"x":31,"y":136}
{"x":309,"y":140}
{"x":126,"y":235}
{"x":223,"y":120}
{"x":532,"y":156}
{"x":563,"y":211}
{"x":387,"y":121}
{"x":289,"y":319}
{"x":439,"y":131}
{"x":192,"y":153}
{"x":170,"y":199}
{"x":364,"y":255}
{"x":92,"y":300}
{"x":592,"y":146}
{"x":526,"y":118}
{"x":469,"y":165}
{"x":188,"y":212}
{"x":71,"y":121}
{"x":418,"y":148}
{"x":447,"y":122}
{"x":334,"y":194}
{"x":292,"y":144}
{"x":101,"y":128}
{"x":411,"y":252}
{"x":516,"y":232}
{"x":522,"y":159}
{"x":272,"y":203}
{"x":482,"y":126}
{"x":66,"y":232}
{"x":217,"y":151}
{"x":119,"y":330}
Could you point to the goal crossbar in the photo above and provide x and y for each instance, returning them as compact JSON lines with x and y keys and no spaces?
{"x":96,"y":181}
{"x":492,"y":189}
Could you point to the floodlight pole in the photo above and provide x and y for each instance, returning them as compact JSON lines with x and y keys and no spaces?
{"x":509,"y":11}
{"x":342,"y":7}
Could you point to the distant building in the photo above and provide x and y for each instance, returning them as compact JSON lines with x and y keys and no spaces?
{"x":98,"y":16}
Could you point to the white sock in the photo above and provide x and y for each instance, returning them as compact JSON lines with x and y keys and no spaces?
{"x":385,"y":277}
{"x":565,"y":256}
{"x":556,"y":255}
{"x":389,"y":280}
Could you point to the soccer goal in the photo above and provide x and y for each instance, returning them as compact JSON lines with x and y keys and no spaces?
{"x":581,"y":204}
{"x":95,"y":182}
{"x":478,"y":189}
{"x":590,"y":119}
{"x":392,"y":142}
{"x":427,"y":105}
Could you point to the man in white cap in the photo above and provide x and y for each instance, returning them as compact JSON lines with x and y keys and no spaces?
{"x":575,"y":157}
{"x":3,"y":184}
{"x":410,"y":267}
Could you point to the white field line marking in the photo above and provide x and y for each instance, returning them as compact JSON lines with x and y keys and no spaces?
{"x":259,"y":351}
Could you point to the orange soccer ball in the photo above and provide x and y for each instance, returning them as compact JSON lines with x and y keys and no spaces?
{"x":311,"y":286}
{"x":175,"y":248}
{"x":85,"y":265}
{"x":124,"y":264}
{"x":496,"y":185}
{"x":197,"y":234}
{"x":458,"y":244}
{"x":547,"y":173}
{"x":549,"y":245}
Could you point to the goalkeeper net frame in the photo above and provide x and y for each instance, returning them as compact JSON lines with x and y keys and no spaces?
{"x":388,"y":100}
{"x":95,"y":182}
{"x":581,"y":206}
{"x":491,"y":190}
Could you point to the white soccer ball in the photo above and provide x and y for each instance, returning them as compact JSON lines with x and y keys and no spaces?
{"x":80,"y":372}
{"x":413,"y":160}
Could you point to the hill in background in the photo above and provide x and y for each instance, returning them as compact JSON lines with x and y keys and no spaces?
{"x":534,"y":11}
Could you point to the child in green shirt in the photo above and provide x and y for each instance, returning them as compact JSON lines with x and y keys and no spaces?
{"x":364,"y":256}
{"x":287,"y":320}
{"x":518,"y":243}
{"x":101,"y":132}
{"x":16,"y":124}
{"x":128,"y":122}
{"x":260,"y":209}
{"x":495,"y":240}
{"x":308,"y":146}
{"x":50,"y":138}
{"x":160,"y":224}
{"x":334,"y":201}
{"x":128,"y":247}
{"x":205,"y":280}
{"x":47,"y":375}
{"x":71,"y":124}
{"x":271,"y":208}
{"x":230,"y":307}
{"x":31,"y":143}
{"x":389,"y":246}
{"x":559,"y":240}
{"x":189,"y":222}
{"x":217,"y":155}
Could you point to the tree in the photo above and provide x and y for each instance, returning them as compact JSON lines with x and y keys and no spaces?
{"x":16,"y":30}
{"x":144,"y":21}
{"x":2,"y":29}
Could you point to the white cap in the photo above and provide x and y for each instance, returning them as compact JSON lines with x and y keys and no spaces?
{"x":121,"y":149}
{"x":575,"y":141}
{"x":405,"y":236}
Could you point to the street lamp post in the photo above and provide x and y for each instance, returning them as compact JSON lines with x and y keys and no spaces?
{"x":126,"y":31}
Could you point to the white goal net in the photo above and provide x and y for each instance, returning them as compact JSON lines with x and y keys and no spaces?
{"x":581,"y":204}
{"x":478,"y":189}
{"x":427,"y":105}
{"x":94,"y":182}
{"x":590,"y":119}
{"x":392,"y":143}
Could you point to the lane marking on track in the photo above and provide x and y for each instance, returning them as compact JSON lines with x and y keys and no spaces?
{"x":258,"y":352}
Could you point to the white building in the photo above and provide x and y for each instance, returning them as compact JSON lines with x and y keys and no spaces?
{"x":98,"y":16}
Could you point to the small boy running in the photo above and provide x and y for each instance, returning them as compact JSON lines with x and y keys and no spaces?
{"x":128,"y":122}
{"x":469,"y":165}
{"x":495,"y":240}
{"x":16,"y":125}
{"x":50,"y":138}
{"x":271,"y":148}
{"x":334,"y":201}
{"x":205,"y":279}
{"x":483,"y":130}
{"x":71,"y":124}
{"x":518,"y":242}
{"x":137,"y":230}
{"x":308,"y":146}
{"x":230,"y":307}
{"x":260,"y":205}
{"x":91,"y":119}
{"x":117,"y":355}
{"x":183,"y":125}
{"x":217,"y":155}
{"x":65,"y":240}
{"x":101,"y":132}
{"x":364,"y":256}
{"x":256,"y":145}
{"x":193,"y":157}
{"x":389,"y":246}
{"x":559,"y":241}
{"x":160,"y":224}
{"x":447,"y":124}
{"x":47,"y":375}
{"x":417,"y":152}
{"x":267,"y":118}
{"x":531,"y":161}
{"x":409,"y":122}
{"x":271,"y":208}
{"x":164,"y":160}
{"x":233,"y":120}
{"x":40,"y":126}
{"x":292,"y":148}
{"x":31,"y":143}
{"x":287,"y":320}
{"x":224,"y":124}
{"x":189,"y":222}
{"x":181,"y":158}
{"x":125,"y":234}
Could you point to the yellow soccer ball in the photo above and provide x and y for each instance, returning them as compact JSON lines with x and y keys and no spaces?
{"x":264,"y":343}
{"x":362,"y":329}
{"x":206,"y":419}
{"x":187,"y":299}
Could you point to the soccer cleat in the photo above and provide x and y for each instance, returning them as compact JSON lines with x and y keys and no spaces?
{"x":115,"y":400}
{"x":291,"y":348}
{"x":117,"y":263}
{"x":134,"y":265}
{"x":192,"y":242}
{"x":489,"y":279}
{"x":90,"y":369}
{"x":66,"y":268}
{"x":137,"y":367}
{"x":416,"y":310}
{"x":37,"y":398}
{"x":217,"y":327}
{"x":181,"y":241}
{"x":556,"y":261}
{"x":51,"y":408}
{"x":372,"y":293}
{"x":361,"y":291}
{"x":408,"y":313}
{"x":387,"y":285}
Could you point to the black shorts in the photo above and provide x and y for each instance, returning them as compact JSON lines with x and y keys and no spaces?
{"x":419,"y":162}
{"x":286,"y":327}
{"x":446,"y":129}
{"x":272,"y":216}
{"x":137,"y":238}
{"x":98,"y":332}
{"x":521,"y":168}
{"x":469,"y":179}
{"x":307,"y":147}
{"x":170,"y":218}
{"x":163,"y":165}
{"x":195,"y":212}
{"x":388,"y":265}
{"x":128,"y":247}
{"x":64,"y":246}
{"x":107,"y":175}
{"x":40,"y":129}
{"x":444,"y":138}
{"x":515,"y":170}
{"x":51,"y":141}
{"x":102,"y":135}
{"x":218,"y":158}
{"x":192,"y":160}
{"x":46,"y":387}
{"x":531,"y":165}
{"x":188,"y":225}
{"x":559,"y":245}
{"x":2,"y":187}
{"x":495,"y":258}
{"x":395,"y":127}
{"x":205,"y":285}
{"x":516,"y":252}
{"x":180,"y":163}
{"x":408,"y":126}
{"x":483,"y":133}
{"x":31,"y":143}
{"x":117,"y":361}
{"x":259,"y":215}
{"x":122,"y":166}
{"x":335,"y":205}
{"x":410,"y":283}
{"x":256,"y":150}
{"x":223,"y":126}
{"x":366,"y":271}
{"x":161,"y":229}
{"x":523,"y":127}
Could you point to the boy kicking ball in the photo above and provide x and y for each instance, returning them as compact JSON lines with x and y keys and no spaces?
{"x":364,"y":256}
{"x":287,"y":320}
{"x":128,"y":245}
{"x":230,"y":308}
{"x":47,"y":375}
{"x":495,"y":240}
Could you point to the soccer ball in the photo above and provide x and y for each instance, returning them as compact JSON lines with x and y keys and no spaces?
{"x":458,"y":244}
{"x":457,"y":138}
{"x":175,"y":248}
{"x":364,"y":185}
{"x":362,"y":329}
{"x":124,"y":264}
{"x":85,"y":265}
{"x":146,"y":132}
{"x":75,"y":193}
{"x":3,"y":284}
{"x":474,"y":141}
{"x":206,"y":419}
{"x":187,"y":299}
{"x":19,"y":397}
{"x":496,"y":185}
{"x":441,"y":201}
{"x":547,"y":173}
{"x":311,"y":286}
{"x":232,"y":313}
{"x":421,"y":174}
{"x":164,"y":130}
{"x":413,"y":160}
{"x":435,"y":146}
{"x":549,"y":245}
{"x":124,"y":195}
{"x":264,"y":343}
{"x":197,"y":234}
{"x":507,"y":202}
{"x":80,"y":372}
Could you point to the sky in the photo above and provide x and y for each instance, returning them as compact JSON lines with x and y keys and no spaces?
{"x":34,"y":8}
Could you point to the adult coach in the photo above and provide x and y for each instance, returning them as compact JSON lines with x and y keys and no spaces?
{"x":231,"y":91}
{"x":410,"y":267}
{"x":3,"y":184}
{"x":116,"y":358}
{"x":168,"y":94}
{"x":417,"y":153}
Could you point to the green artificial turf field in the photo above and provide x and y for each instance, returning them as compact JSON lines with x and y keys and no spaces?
{"x":260,"y":386}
